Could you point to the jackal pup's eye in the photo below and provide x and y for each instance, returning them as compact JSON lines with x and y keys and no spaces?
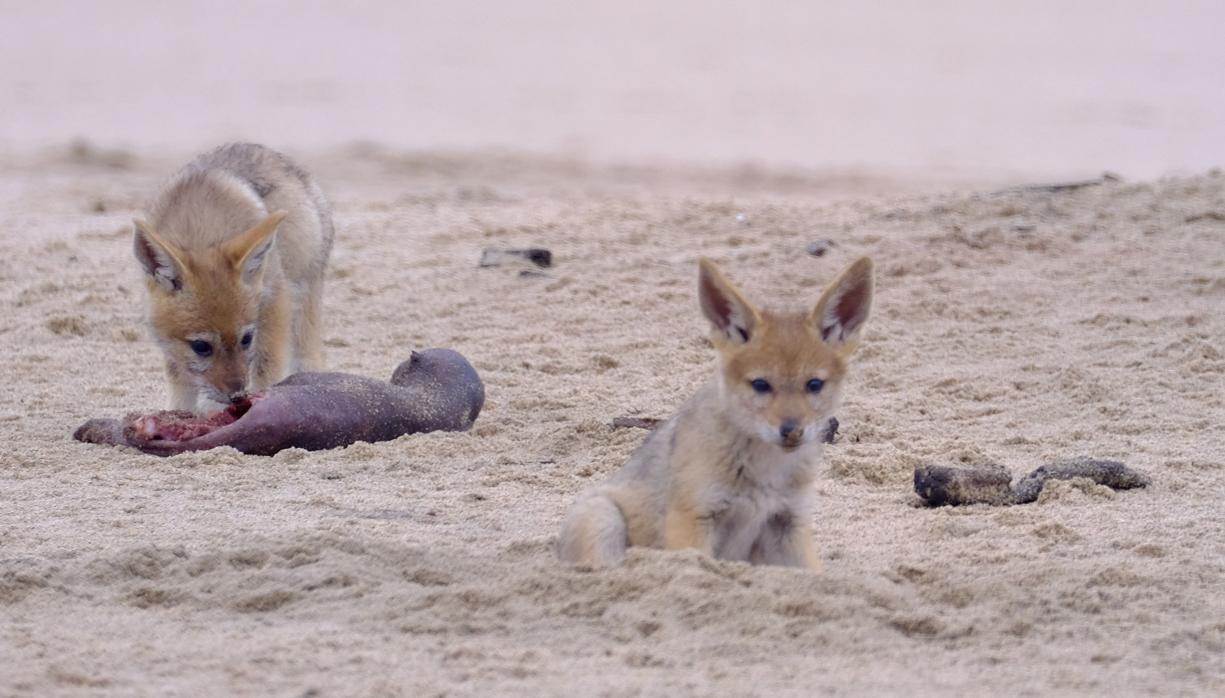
{"x":247,"y":339}
{"x":201,"y":347}
{"x":814,"y":385}
{"x":760,"y":385}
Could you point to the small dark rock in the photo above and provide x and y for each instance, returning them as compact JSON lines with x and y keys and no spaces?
{"x":818,"y":248}
{"x":496,"y":256}
{"x":831,"y":431}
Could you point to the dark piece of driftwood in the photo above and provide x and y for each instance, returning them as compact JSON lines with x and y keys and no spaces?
{"x":938,"y":485}
{"x":1205,"y":216}
{"x":831,"y":428}
{"x":1059,"y":187}
{"x":497,"y":256}
{"x":635,"y":422}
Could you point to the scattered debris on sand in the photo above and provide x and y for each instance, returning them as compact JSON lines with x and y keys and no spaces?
{"x":939,"y":485}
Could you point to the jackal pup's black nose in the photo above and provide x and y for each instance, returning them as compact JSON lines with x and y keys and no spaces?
{"x":790,"y":429}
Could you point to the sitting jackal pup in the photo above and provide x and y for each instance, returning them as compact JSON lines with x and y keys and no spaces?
{"x":731,"y":473}
{"x":234,"y":251}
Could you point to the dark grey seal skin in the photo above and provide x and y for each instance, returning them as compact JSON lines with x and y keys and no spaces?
{"x":434,"y":390}
{"x":939,"y":485}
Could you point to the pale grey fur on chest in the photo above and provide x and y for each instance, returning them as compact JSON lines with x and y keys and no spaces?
{"x":763,"y":503}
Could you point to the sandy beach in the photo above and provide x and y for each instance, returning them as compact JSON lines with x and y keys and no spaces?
{"x":1014,"y":327}
{"x":1013,"y":324}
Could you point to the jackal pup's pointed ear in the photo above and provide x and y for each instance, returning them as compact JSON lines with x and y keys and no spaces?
{"x":160,"y":260}
{"x":727,"y":310}
{"x":840,"y":315}
{"x":248,"y":251}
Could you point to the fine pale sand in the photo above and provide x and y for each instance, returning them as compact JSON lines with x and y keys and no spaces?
{"x":1009,"y":327}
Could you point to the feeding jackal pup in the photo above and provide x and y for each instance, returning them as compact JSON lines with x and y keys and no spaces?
{"x":234,"y":250}
{"x":731,"y":473}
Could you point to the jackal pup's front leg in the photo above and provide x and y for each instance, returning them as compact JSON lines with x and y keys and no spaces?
{"x":685,"y":526}
{"x":788,"y":542}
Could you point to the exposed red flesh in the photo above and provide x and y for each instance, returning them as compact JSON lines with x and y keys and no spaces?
{"x":184,"y":426}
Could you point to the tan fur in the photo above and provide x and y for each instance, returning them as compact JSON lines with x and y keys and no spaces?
{"x":236,"y":243}
{"x":731,"y":473}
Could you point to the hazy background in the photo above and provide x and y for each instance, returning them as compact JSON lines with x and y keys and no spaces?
{"x":1032,"y":89}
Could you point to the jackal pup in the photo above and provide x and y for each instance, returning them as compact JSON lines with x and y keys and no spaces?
{"x":234,"y":250}
{"x":731,"y":473}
